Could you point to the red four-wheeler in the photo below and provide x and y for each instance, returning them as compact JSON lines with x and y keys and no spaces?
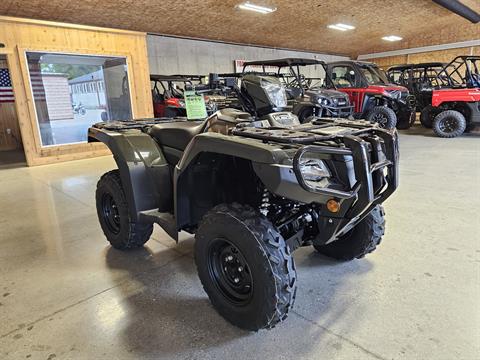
{"x":371,"y":94}
{"x":455,"y":105}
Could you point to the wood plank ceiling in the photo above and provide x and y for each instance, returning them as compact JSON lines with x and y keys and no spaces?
{"x":295,"y":25}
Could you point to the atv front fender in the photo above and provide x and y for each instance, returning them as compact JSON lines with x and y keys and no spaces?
{"x":217,"y":146}
{"x":238,"y":146}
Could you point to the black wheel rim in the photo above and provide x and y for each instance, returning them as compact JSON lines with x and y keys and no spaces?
{"x":230,"y":272}
{"x":110,"y":213}
{"x":381,"y":119}
{"x":448,"y":125}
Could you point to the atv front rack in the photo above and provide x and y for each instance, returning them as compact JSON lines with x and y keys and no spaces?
{"x":321,"y":129}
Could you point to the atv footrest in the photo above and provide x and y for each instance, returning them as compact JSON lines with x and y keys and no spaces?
{"x":165,"y":220}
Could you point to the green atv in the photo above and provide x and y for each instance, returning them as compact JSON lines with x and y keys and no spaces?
{"x":252,"y":189}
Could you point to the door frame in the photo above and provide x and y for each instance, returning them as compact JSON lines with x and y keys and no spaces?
{"x":9,"y":55}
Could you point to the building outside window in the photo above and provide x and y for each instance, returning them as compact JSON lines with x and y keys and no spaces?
{"x":72,"y":92}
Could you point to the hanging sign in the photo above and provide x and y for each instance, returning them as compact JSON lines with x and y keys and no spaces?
{"x":195,"y":105}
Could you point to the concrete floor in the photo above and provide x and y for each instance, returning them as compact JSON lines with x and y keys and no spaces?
{"x":65,"y":294}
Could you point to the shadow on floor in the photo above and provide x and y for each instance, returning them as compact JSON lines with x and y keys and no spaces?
{"x":169,"y":313}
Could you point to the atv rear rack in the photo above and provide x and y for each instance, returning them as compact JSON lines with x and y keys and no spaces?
{"x":119,"y":125}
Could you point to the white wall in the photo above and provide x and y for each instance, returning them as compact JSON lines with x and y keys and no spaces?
{"x":57,"y":95}
{"x":168,"y":55}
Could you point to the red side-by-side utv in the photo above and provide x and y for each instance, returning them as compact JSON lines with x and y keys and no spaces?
{"x":455,"y":104}
{"x":371,"y":94}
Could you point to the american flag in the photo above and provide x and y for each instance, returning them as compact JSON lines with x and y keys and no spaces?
{"x":6,"y":90}
{"x":36,"y":81}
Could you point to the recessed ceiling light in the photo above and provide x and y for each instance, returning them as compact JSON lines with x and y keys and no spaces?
{"x":392,"y":38}
{"x":341,"y":27}
{"x":257,"y":8}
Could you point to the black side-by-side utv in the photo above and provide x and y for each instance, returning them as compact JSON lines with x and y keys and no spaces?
{"x":419,"y":79}
{"x":252,"y":189}
{"x":308,"y":95}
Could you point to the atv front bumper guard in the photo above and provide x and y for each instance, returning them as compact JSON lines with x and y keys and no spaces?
{"x":338,"y":111}
{"x":375,"y":160}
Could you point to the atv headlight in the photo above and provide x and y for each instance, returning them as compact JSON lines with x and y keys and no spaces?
{"x":313,"y":171}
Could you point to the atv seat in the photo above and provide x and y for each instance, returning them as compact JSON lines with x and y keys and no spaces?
{"x":177,"y":134}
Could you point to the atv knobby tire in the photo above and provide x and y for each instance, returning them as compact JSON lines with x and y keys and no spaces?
{"x":384,"y":116}
{"x":449,"y":124}
{"x":245,"y":267}
{"x":114,"y":215}
{"x":426,"y":116}
{"x":360,"y":241}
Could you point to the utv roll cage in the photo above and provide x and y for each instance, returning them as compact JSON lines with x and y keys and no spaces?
{"x":396,"y":73}
{"x":167,"y":81}
{"x":420,"y":79}
{"x":461,"y":72}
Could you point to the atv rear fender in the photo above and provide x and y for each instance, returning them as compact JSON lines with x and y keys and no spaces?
{"x":144,"y":172}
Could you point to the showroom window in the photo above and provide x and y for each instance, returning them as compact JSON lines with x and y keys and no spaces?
{"x":67,"y":101}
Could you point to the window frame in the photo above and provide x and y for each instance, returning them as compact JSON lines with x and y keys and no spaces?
{"x":23,"y":52}
{"x":349,"y":68}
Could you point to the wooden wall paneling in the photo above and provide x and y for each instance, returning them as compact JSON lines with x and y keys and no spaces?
{"x":26,"y":35}
{"x":386,"y":62}
{"x":431,"y":56}
{"x":443,"y":55}
{"x":8,"y":120}
{"x":30,"y":103}
{"x":22,"y":108}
